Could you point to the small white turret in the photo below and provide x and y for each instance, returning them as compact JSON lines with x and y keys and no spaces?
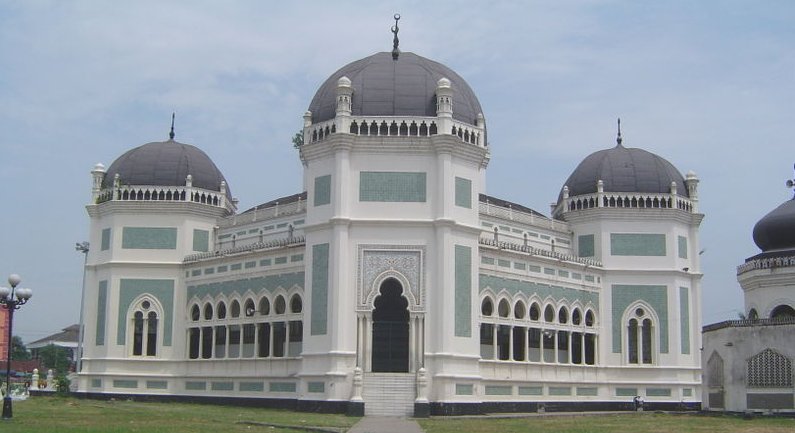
{"x":691,"y":180}
{"x":189,"y":181}
{"x":97,"y":175}
{"x":444,"y":105}
{"x":344,"y":96}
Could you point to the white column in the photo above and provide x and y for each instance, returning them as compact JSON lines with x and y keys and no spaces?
{"x":494,"y":341}
{"x":412,"y":342}
{"x":526,"y":349}
{"x":510,"y":343}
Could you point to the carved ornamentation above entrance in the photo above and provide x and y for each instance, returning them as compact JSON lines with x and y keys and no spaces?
{"x":377,"y":263}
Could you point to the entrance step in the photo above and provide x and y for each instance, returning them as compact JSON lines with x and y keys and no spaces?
{"x":389,"y":394}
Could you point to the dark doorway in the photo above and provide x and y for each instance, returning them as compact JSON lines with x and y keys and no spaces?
{"x":391,"y":330}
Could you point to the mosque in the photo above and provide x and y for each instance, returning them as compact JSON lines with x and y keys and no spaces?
{"x":390,"y":283}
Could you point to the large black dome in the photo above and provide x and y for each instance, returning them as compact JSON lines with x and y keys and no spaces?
{"x":165,"y":163}
{"x":402,"y":87}
{"x":776,"y":230}
{"x":623,"y":169}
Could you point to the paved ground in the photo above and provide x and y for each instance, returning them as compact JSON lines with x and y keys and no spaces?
{"x":385,"y":424}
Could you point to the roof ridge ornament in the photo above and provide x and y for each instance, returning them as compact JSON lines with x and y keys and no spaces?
{"x":171,"y":134}
{"x":395,"y":41}
{"x":618,"y":137}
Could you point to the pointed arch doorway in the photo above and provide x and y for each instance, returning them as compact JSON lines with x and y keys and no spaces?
{"x":390,"y":338}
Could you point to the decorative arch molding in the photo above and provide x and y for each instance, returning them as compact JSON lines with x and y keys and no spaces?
{"x":377,"y":263}
{"x":776,"y":304}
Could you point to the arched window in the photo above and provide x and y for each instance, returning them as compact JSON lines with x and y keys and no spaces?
{"x":535,"y":311}
{"x":576,"y":317}
{"x":563,"y":315}
{"x":640,"y":337}
{"x":248,"y":308}
{"x":487,"y":307}
{"x":752,"y":314}
{"x":296,"y":306}
{"x":519,"y":310}
{"x":208,"y":311}
{"x":783,"y":312}
{"x":279,"y":305}
{"x":221,"y":310}
{"x":195,"y":314}
{"x":589,"y":318}
{"x":144,"y":328}
{"x":264,"y":306}
{"x":235,"y":308}
{"x":549,"y":314}
{"x":504,"y":308}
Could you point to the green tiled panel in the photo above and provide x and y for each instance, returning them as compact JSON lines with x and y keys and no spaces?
{"x":531,"y":390}
{"x":268,"y":283}
{"x":534,"y":268}
{"x":249,"y":265}
{"x":162,"y":290}
{"x":637,"y":244}
{"x":658,"y":392}
{"x":463,"y":291}
{"x":320,"y":267}
{"x":102,"y":308}
{"x":586,"y":245}
{"x":564,"y":274}
{"x":316,"y":387}
{"x":626,"y":392}
{"x":504,"y":263}
{"x":388,"y":186}
{"x":684,"y":319}
{"x":682,"y":247}
{"x":463,"y":192}
{"x":157,"y":384}
{"x":549,"y":271}
{"x":487,"y":260}
{"x":149,"y":238}
{"x":576,"y":276}
{"x":589,"y":278}
{"x":236,"y":267}
{"x":589,"y":391}
{"x":322,"y":190}
{"x":499,"y":390}
{"x":105,"y":245}
{"x":251,"y":386}
{"x":464,"y":389}
{"x":96,"y":383}
{"x":265,"y":262}
{"x":281,"y":225}
{"x":209,"y":271}
{"x":624,"y":295}
{"x":687,"y":392}
{"x":542,"y":290}
{"x":520,"y":266}
{"x":223,"y":268}
{"x":297,"y":258}
{"x":195,"y":272}
{"x":559,"y":390}
{"x":201,"y":240}
{"x":222,"y":386}
{"x":125,"y":383}
{"x":298,"y":222}
{"x":281,"y":387}
{"x":195,"y":386}
{"x":280,"y":260}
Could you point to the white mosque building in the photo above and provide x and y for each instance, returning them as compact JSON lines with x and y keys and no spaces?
{"x":390,"y":283}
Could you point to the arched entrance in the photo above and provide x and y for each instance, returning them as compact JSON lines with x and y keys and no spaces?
{"x":390,"y":344}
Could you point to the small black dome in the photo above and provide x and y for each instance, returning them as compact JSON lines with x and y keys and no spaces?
{"x":776,"y":230}
{"x":402,"y":87}
{"x":165,"y":163}
{"x":623,"y":169}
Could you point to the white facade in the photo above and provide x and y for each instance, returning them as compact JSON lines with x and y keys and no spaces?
{"x":393,"y":284}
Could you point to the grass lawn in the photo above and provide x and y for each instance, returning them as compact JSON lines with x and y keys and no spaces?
{"x":635,"y":423}
{"x":68,"y":415}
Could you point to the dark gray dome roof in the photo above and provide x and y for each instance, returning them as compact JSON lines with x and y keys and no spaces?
{"x":624,"y":169}
{"x":165,"y":163}
{"x":776,"y":230}
{"x":403,"y":87}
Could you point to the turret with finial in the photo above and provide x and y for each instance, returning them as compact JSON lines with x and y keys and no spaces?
{"x":618,"y":137}
{"x":395,"y":41}
{"x":171,"y":134}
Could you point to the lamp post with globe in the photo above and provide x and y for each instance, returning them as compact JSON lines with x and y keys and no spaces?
{"x":11,"y":299}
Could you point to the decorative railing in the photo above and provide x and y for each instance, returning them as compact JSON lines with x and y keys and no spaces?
{"x":539,"y":252}
{"x":269,"y":245}
{"x":165,"y":193}
{"x":254,"y":215}
{"x":766,"y":263}
{"x":395,"y":127}
{"x":743,"y":323}
{"x":627,"y":200}
{"x":511,"y":214}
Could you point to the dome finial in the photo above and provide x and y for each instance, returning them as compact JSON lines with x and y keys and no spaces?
{"x":395,"y":41}
{"x":618,"y":137}
{"x":791,"y":183}
{"x":171,"y":134}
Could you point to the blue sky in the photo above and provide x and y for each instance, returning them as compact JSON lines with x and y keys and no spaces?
{"x":708,"y":85}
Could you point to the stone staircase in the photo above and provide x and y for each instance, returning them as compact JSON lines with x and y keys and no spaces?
{"x":389,"y":394}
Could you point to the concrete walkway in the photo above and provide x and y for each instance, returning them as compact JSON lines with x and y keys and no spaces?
{"x":385,"y":424}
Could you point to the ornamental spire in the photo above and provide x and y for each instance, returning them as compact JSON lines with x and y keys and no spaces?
{"x":171,"y":134}
{"x":791,"y":183}
{"x":395,"y":41}
{"x":618,"y":137}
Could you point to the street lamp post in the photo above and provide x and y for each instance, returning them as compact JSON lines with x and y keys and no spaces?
{"x":11,"y":299}
{"x":82,"y":247}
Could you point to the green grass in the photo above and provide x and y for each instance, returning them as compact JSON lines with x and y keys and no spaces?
{"x":70,"y":415}
{"x":634,"y":423}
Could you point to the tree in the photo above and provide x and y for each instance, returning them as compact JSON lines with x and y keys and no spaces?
{"x":18,"y":350}
{"x":298,"y":139}
{"x":55,"y":357}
